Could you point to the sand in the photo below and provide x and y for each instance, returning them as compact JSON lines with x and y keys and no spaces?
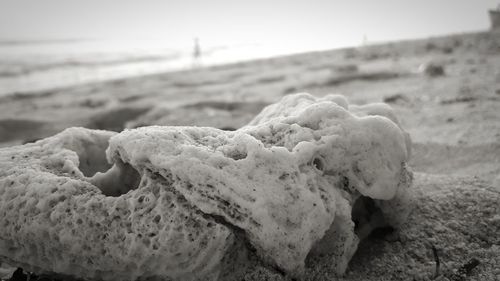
{"x":453,"y":119}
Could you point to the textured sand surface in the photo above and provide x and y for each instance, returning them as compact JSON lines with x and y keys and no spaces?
{"x":458,"y":216}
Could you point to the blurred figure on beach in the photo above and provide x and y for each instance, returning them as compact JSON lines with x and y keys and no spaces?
{"x":196,"y":53}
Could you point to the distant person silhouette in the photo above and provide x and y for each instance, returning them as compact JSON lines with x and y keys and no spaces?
{"x":365,"y":40}
{"x":196,"y":53}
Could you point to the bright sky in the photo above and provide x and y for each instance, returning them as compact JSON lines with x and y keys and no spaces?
{"x":313,"y":24}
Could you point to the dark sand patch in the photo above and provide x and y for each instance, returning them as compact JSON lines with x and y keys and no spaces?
{"x":271,"y":79}
{"x":218,"y":114}
{"x":20,"y":129}
{"x":363,"y":76}
{"x":28,"y":95}
{"x":115,"y":119}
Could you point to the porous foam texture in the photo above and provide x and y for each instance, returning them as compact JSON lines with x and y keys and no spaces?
{"x":53,"y":219}
{"x":308,"y":176}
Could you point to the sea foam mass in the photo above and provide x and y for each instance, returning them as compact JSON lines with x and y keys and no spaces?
{"x":307,"y":176}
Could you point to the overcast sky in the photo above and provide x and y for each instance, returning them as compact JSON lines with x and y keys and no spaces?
{"x":325,"y":23}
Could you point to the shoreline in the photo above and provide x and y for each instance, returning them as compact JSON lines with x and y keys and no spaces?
{"x":138,"y":67}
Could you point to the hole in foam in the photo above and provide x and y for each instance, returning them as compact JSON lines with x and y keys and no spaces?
{"x":318,"y":163}
{"x":367,"y":217}
{"x":92,"y":156}
{"x":118,"y":180}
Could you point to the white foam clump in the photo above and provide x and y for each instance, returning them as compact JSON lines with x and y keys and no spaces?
{"x":54,"y":219}
{"x":288,"y":185}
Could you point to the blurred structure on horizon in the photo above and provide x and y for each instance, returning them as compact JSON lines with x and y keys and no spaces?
{"x":495,"y":18}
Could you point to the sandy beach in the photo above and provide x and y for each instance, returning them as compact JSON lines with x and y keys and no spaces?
{"x":451,"y":116}
{"x":445,"y":91}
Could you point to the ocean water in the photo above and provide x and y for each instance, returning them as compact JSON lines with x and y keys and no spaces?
{"x":35,"y":66}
